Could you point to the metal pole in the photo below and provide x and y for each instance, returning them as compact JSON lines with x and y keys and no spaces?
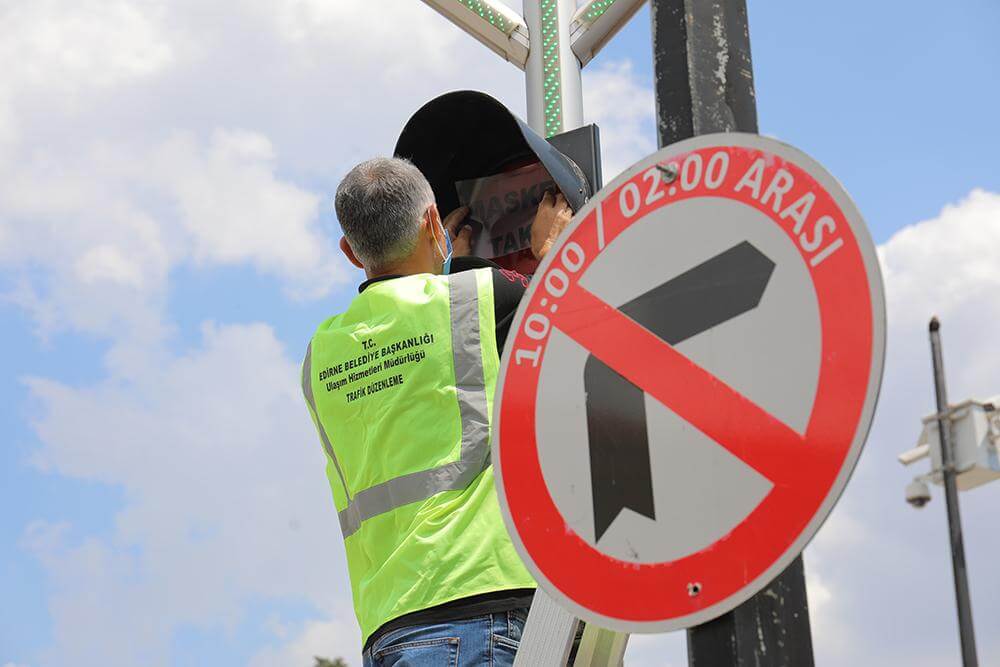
{"x":965,"y":629}
{"x":702,"y":68}
{"x":704,"y":84}
{"x":552,"y":72}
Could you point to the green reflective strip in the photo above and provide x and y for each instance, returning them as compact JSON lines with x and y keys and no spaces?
{"x":486,"y":13}
{"x":551,"y":69}
{"x":470,"y":385}
{"x":307,"y":390}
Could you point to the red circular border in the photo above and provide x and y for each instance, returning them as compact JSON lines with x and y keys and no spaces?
{"x":657,"y":592}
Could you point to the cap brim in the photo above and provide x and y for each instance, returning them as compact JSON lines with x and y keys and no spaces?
{"x":467,"y":134}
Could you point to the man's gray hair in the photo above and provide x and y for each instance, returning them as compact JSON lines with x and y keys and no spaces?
{"x":379,"y":204}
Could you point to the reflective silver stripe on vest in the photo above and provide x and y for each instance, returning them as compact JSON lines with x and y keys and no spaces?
{"x":307,"y":389}
{"x":470,"y":386}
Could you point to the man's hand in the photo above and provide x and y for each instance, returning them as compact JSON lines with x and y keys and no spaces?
{"x":461,"y":241}
{"x":553,"y":215}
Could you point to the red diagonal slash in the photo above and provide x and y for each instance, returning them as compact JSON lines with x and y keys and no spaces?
{"x":750,"y":433}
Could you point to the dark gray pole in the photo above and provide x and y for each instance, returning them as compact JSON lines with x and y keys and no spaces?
{"x":704,"y":84}
{"x":966,"y":632}
{"x":702,"y":68}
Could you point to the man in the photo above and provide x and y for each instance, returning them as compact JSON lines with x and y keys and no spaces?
{"x":400,"y":387}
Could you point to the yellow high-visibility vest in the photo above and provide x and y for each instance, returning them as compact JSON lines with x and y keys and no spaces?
{"x":400,"y":387}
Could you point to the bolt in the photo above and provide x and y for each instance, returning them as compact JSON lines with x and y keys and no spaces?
{"x":668,"y":172}
{"x":694,"y":588}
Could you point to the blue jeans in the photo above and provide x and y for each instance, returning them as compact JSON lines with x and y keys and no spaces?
{"x":488,"y":641}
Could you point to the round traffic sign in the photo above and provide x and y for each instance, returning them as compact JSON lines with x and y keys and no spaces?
{"x":688,"y":383}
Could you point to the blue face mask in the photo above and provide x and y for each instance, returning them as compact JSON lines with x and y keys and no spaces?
{"x":446,"y":264}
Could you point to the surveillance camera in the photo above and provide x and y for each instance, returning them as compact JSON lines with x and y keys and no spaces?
{"x":918,"y":493}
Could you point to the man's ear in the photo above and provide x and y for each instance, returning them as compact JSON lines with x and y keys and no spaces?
{"x":345,"y":247}
{"x":432,"y":220}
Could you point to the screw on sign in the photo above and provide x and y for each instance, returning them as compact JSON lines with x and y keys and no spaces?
{"x":690,"y":381}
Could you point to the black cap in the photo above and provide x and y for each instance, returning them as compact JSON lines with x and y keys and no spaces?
{"x":468,"y":134}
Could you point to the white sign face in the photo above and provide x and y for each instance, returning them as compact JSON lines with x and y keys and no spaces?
{"x":688,"y":383}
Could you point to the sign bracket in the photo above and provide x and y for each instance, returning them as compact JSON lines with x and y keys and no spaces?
{"x":495,"y":25}
{"x":549,"y":634}
{"x":596,"y":23}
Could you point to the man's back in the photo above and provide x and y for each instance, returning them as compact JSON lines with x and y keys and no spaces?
{"x":401,"y":387}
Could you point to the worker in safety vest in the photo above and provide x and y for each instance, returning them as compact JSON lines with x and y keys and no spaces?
{"x":401,"y":389}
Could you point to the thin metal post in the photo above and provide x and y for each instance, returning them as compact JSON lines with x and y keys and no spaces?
{"x":552,"y":72}
{"x":965,"y":628}
{"x":704,"y":83}
{"x":601,"y":648}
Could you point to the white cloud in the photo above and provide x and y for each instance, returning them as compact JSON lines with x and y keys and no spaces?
{"x":931,"y":264}
{"x":139,"y":137}
{"x":362,"y":31}
{"x":237,"y":211}
{"x":55,"y":53}
{"x":826,"y":562}
{"x":623,"y":106}
{"x":665,"y":650}
{"x":227,"y":501}
{"x":108,"y":226}
{"x":329,"y":639}
{"x":106,"y":262}
{"x":69,"y":46}
{"x":886,"y":566}
{"x":950,"y":266}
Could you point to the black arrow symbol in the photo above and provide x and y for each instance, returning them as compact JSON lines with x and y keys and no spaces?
{"x":711,"y":293}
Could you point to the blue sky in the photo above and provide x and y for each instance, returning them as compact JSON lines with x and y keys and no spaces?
{"x":882,"y":94}
{"x":166,"y":248}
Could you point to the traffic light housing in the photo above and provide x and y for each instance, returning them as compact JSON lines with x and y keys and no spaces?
{"x":466,"y":135}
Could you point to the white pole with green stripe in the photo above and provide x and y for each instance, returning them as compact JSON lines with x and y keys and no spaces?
{"x":551,"y":43}
{"x":552,"y":72}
